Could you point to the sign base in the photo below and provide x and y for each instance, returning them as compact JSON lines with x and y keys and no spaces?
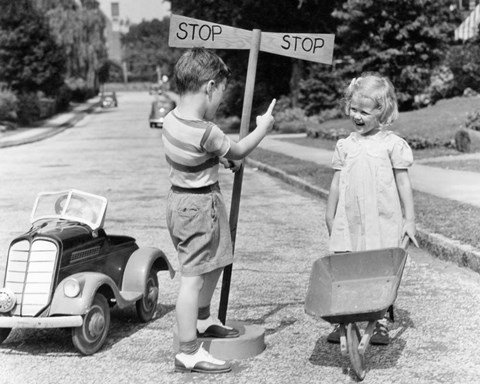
{"x":251,"y":342}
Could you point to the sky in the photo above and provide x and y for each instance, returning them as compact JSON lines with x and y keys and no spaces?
{"x":137,"y":10}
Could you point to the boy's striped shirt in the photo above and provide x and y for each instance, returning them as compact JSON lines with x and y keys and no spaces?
{"x":192,"y":149}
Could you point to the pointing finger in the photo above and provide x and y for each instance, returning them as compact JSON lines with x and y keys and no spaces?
{"x":271,"y":106}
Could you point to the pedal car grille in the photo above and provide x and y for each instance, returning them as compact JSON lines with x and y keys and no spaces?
{"x":30,"y":274}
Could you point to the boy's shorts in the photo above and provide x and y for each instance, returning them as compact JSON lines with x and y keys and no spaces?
{"x":198,"y":224}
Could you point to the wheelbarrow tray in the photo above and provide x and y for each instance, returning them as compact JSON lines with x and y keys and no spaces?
{"x":355,"y":286}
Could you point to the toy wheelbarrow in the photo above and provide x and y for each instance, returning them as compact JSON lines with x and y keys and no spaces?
{"x":346,"y":288}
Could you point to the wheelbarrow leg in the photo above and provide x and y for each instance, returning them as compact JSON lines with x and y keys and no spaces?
{"x":357,"y":359}
{"x":364,"y":343}
{"x":343,"y":340}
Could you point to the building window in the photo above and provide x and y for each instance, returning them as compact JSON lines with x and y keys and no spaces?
{"x":115,"y":9}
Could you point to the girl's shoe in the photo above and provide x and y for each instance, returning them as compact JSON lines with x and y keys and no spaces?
{"x":380,"y":335}
{"x":201,"y":362}
{"x":334,"y":336}
{"x":213,"y":327}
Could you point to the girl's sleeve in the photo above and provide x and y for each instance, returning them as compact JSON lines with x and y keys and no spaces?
{"x":339,"y":155}
{"x":215,"y":141}
{"x":401,"y":156}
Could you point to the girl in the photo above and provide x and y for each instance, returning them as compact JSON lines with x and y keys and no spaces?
{"x":370,"y":185}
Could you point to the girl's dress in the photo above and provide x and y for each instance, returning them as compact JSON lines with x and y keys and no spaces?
{"x":369,"y":214}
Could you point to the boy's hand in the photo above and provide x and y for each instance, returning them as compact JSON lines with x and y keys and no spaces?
{"x":233,"y":165}
{"x":267,"y":119}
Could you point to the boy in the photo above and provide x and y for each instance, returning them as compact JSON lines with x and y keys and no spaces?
{"x":196,"y":214}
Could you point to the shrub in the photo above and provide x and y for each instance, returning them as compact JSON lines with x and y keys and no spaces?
{"x":8,"y":106}
{"x":28,"y":108}
{"x":473,"y":121}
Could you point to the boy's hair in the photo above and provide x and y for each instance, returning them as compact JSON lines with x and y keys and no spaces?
{"x":197,"y":66}
{"x":377,"y":88}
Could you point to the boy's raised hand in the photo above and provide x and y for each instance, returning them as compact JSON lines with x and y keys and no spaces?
{"x":267,"y":119}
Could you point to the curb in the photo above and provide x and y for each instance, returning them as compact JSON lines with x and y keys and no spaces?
{"x":438,"y":245}
{"x":77,"y":116}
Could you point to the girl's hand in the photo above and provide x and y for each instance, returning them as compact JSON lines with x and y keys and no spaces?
{"x":267,"y":119}
{"x":410,"y":230}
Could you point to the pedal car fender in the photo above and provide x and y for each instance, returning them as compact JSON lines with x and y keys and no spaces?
{"x":139,"y":266}
{"x":65,"y":302}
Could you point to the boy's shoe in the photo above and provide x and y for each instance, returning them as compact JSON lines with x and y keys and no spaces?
{"x":380,"y":335}
{"x":334,"y":336}
{"x":201,"y":362}
{"x":213,"y":327}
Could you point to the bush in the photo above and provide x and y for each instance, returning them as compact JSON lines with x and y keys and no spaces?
{"x":79,"y":89}
{"x":29,"y":109}
{"x":62,"y":99}
{"x":473,"y":121}
{"x":8,"y":106}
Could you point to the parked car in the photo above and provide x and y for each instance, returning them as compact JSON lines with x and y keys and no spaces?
{"x":109,"y":100}
{"x":155,"y":89}
{"x":66,"y":272}
{"x":159,"y":110}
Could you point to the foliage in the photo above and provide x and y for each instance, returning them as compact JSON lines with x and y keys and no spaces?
{"x":146,"y":47}
{"x":8,"y":106}
{"x":473,"y":120}
{"x":30,"y":58}
{"x":29,"y":109}
{"x":464,"y":61}
{"x":80,"y":31}
{"x":403,"y":39}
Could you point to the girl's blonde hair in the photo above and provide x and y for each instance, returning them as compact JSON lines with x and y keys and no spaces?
{"x":377,"y":88}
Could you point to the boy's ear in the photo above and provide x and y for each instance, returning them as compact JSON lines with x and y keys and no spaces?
{"x":210,"y":87}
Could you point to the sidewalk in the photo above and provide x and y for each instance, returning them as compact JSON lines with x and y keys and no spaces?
{"x":457,"y":185}
{"x":50,"y":127}
{"x":449,"y":184}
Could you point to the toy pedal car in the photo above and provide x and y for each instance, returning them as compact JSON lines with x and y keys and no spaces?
{"x":66,"y":272}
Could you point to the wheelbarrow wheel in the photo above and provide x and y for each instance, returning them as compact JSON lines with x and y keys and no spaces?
{"x":357,"y":360}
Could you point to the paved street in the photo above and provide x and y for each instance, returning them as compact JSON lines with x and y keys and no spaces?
{"x":281,"y":232}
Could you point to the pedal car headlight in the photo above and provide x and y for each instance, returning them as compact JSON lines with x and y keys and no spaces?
{"x":71,"y":288}
{"x":7,"y":300}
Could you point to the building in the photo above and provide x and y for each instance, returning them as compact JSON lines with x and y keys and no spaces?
{"x":469,"y":26}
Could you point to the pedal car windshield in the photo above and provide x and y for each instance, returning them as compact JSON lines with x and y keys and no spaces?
{"x":71,"y":205}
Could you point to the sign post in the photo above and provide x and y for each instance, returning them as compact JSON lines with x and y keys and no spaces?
{"x":186,"y":32}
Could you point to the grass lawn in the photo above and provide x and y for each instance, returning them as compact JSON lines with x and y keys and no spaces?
{"x":439,"y":121}
{"x":447,"y":217}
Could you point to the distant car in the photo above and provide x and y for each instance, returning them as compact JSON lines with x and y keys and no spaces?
{"x":66,"y":272}
{"x":109,"y":100}
{"x":159,"y":110}
{"x":155,"y":89}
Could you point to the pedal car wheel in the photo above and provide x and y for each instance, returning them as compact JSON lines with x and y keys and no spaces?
{"x":357,"y":360}
{"x":147,"y":305}
{"x":90,"y":337}
{"x":4,"y":332}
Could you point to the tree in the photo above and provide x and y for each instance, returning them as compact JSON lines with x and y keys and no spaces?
{"x":80,"y":30}
{"x":403,"y":39}
{"x":30,"y":59}
{"x":146,"y":48}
